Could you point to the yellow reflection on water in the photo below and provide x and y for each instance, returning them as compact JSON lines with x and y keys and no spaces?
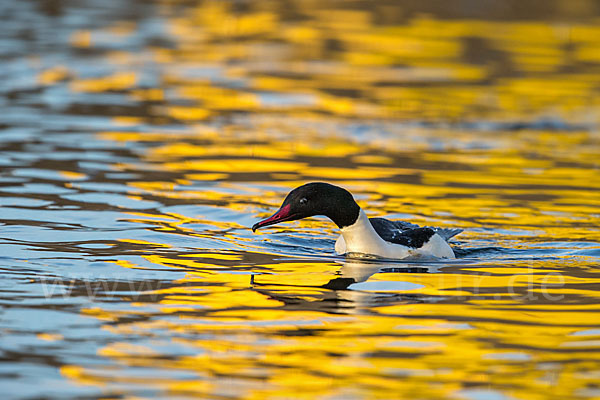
{"x":420,"y":68}
{"x":269,"y":101}
{"x":284,"y":335}
{"x":288,"y":328}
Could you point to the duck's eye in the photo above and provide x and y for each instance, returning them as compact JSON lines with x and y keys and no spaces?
{"x":303,"y":200}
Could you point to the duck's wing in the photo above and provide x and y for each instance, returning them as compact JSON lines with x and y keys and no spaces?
{"x":400,"y":232}
{"x":409,"y":234}
{"x":447,"y":233}
{"x":384,"y":224}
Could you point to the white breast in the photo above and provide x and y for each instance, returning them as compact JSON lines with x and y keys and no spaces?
{"x":361,"y":237}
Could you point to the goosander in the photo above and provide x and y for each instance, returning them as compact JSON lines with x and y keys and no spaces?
{"x":360,"y":234}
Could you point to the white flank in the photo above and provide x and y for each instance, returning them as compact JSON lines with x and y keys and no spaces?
{"x":361,"y":237}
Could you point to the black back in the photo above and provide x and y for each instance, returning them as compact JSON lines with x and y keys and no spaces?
{"x":407,"y":234}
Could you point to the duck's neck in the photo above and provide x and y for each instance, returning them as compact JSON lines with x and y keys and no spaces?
{"x":361,"y":237}
{"x":344,"y":212}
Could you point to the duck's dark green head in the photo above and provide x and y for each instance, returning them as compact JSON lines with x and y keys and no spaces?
{"x":316,"y":198}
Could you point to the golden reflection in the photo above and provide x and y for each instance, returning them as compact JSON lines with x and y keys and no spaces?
{"x":446,"y":331}
{"x":53,"y":75}
{"x":429,"y":50}
{"x":354,"y":66}
{"x":252,"y":101}
{"x":119,"y":81}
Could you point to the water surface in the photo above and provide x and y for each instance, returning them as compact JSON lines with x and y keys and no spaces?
{"x":140,"y":141}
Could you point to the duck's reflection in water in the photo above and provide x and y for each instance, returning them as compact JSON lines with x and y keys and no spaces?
{"x":349,"y":292}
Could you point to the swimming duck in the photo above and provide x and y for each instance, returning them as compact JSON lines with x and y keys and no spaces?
{"x":360,"y":234}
